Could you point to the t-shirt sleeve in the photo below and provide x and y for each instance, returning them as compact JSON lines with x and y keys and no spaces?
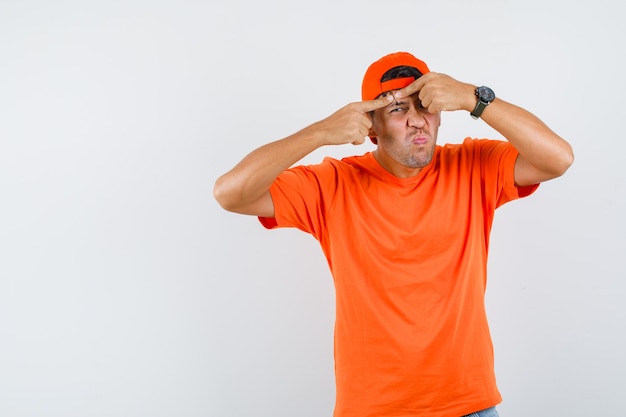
{"x":300,"y":197}
{"x":498,"y":161}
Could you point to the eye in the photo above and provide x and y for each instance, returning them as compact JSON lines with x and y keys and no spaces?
{"x":398,"y":109}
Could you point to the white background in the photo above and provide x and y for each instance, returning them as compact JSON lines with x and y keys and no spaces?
{"x":126,"y":291}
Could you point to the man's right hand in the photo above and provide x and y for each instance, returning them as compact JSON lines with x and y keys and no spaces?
{"x":350,"y":124}
{"x":245,"y":188}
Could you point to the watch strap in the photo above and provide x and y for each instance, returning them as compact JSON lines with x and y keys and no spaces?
{"x":478,"y":110}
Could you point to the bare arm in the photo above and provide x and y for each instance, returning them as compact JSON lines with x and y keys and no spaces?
{"x":543,"y":154}
{"x":245,"y":188}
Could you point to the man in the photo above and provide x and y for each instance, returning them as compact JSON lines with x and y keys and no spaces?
{"x":405,"y":230}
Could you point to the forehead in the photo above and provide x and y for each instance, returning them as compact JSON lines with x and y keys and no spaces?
{"x":412,"y":98}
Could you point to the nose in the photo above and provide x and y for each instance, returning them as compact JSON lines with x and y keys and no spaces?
{"x":415,"y":118}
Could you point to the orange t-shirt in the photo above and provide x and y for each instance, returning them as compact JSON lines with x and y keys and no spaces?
{"x":409,"y":259}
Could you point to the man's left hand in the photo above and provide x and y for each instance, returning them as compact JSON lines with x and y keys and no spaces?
{"x":440,"y":92}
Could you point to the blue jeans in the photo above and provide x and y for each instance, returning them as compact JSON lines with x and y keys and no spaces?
{"x":489,"y":412}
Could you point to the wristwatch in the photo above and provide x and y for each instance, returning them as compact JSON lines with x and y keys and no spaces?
{"x":484,"y":95}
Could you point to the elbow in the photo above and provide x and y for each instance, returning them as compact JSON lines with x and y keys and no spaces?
{"x":223,"y":195}
{"x":561,"y":163}
{"x":566,"y":160}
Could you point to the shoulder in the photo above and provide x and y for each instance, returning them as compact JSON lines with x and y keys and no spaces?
{"x":349,"y":165}
{"x":477,"y":147}
{"x":325,"y":174}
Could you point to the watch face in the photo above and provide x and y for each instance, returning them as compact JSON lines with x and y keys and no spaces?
{"x":485,"y":94}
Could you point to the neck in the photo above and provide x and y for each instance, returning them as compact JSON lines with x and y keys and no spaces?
{"x":393,"y":167}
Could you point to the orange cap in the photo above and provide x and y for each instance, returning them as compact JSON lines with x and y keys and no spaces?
{"x":372,"y":87}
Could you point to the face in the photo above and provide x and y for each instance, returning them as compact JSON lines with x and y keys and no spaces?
{"x":407,"y":135}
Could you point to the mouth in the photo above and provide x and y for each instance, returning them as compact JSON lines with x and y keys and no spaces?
{"x":420,"y":140}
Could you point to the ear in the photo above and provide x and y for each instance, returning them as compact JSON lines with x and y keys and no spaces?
{"x":372,"y":135}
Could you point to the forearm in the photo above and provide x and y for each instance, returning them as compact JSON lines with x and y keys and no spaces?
{"x":244,"y":189}
{"x":251,"y":178}
{"x":543,"y":154}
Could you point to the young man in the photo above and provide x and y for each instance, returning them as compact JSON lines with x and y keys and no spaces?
{"x":405,"y":230}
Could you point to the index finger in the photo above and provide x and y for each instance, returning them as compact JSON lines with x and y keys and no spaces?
{"x":410,"y":89}
{"x":377,"y":103}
